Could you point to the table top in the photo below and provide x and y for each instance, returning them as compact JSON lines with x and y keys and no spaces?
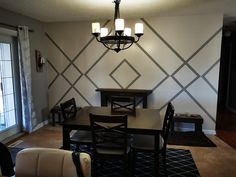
{"x":146,"y":121}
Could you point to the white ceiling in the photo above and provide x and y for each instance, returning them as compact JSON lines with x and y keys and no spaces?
{"x":77,"y":10}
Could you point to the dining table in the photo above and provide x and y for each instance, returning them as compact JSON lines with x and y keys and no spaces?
{"x":145,"y":122}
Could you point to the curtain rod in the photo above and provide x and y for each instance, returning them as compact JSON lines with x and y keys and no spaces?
{"x":12,"y":26}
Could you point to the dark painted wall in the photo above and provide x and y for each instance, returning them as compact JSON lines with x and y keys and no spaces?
{"x":39,"y":79}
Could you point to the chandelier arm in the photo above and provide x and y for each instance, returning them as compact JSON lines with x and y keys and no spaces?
{"x":118,"y":45}
{"x":127,"y":46}
{"x":137,"y":39}
{"x":108,"y":46}
{"x":98,"y":39}
{"x":118,"y":48}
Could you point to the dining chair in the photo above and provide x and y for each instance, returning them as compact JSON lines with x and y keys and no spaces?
{"x":6,"y":163}
{"x":50,"y":162}
{"x":123,"y":104}
{"x":146,"y":143}
{"x":109,"y":133}
{"x":79,"y":137}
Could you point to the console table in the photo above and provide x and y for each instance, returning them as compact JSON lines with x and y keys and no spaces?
{"x":106,"y":93}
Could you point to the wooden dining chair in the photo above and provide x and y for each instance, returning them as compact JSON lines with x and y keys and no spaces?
{"x":6,"y":163}
{"x":79,"y":137}
{"x":109,"y":135}
{"x":123,"y":105}
{"x":146,"y":143}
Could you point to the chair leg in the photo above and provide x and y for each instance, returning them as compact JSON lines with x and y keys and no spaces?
{"x":125,"y":167}
{"x":133,"y":162}
{"x":129,"y":166}
{"x":94,"y":167}
{"x":164,"y":164}
{"x":156,"y":162}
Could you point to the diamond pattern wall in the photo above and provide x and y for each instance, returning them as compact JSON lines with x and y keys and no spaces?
{"x":178,"y":58}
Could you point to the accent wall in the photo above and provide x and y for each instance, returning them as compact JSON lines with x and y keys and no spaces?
{"x":177,"y":57}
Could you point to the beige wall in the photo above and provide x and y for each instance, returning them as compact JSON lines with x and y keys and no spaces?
{"x":178,"y":57}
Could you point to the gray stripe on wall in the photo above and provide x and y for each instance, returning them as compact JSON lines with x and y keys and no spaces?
{"x":57,"y":75}
{"x":86,"y":73}
{"x":88,"y":43}
{"x":154,"y":61}
{"x":115,"y":69}
{"x":204,"y":76}
{"x":185,"y":63}
{"x":55,"y":44}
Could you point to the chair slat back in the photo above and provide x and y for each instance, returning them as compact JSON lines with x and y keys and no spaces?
{"x":68,"y":108}
{"x":168,"y":119}
{"x":109,"y":132}
{"x":123,"y":104}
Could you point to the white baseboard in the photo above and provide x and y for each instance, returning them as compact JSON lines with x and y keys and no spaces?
{"x":209,"y":132}
{"x":40,"y":125}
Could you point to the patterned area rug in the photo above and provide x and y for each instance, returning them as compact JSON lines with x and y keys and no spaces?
{"x":179,"y":164}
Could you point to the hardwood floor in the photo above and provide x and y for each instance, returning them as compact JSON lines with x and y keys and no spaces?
{"x":211,"y":161}
{"x":227,"y":136}
{"x":226,"y":127}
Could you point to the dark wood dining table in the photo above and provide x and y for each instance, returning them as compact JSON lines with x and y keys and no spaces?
{"x":145,"y":122}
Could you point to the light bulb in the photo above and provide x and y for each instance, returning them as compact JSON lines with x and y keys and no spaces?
{"x":96,"y":27}
{"x":127,"y":32}
{"x":119,"y":24}
{"x":138,"y":28}
{"x":104,"y":32}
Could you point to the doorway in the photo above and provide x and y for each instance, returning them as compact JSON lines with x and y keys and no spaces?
{"x":226,"y":111}
{"x":10,"y":106}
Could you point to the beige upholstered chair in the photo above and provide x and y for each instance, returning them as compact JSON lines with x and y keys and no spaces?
{"x":46,"y":162}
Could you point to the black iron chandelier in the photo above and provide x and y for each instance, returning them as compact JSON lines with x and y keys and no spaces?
{"x":121,"y":38}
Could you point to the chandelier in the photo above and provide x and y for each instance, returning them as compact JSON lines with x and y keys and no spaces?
{"x":120,"y":38}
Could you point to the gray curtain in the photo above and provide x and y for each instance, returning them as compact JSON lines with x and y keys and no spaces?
{"x":28,"y":114}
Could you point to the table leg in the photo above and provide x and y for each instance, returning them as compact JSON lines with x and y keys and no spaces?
{"x":59,"y":117}
{"x":53,"y":118}
{"x":172,"y":127}
{"x":156,"y":155}
{"x":66,"y":138}
{"x":198,"y":127}
{"x":103,"y":99}
{"x":145,"y":101}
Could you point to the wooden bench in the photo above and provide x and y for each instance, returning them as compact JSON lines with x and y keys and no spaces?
{"x":196,"y":119}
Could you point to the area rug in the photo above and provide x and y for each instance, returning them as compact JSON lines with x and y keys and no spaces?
{"x":179,"y":164}
{"x":190,"y":139}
